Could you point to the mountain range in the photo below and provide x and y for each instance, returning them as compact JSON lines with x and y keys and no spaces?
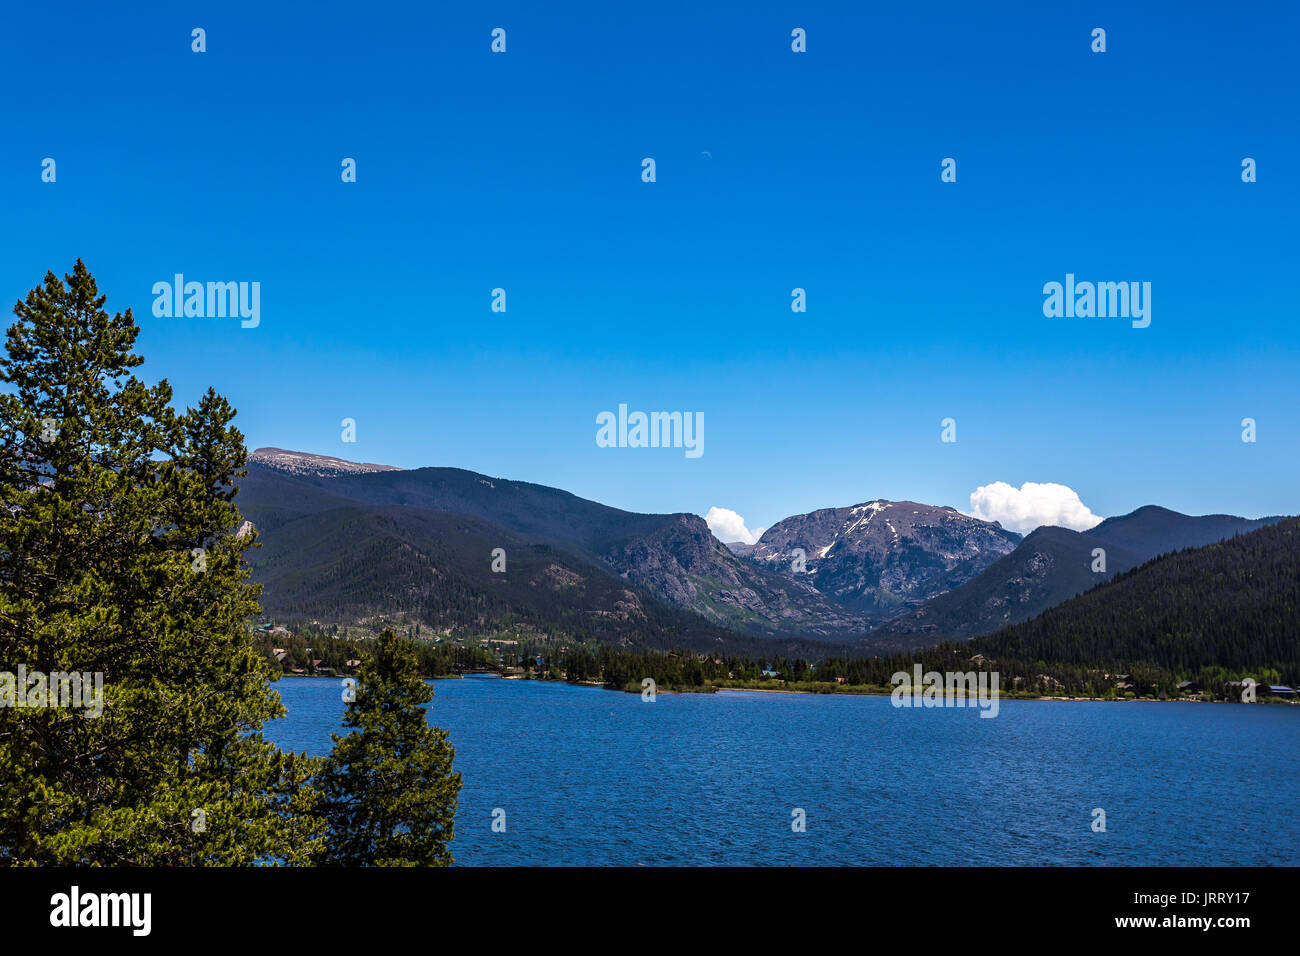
{"x":344,"y":542}
{"x":1052,"y":565}
{"x":318,"y":522}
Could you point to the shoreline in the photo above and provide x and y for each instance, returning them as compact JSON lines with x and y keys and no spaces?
{"x":1076,"y":700}
{"x":711,"y":689}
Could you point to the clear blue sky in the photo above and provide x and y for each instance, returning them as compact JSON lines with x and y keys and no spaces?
{"x":522,"y":171}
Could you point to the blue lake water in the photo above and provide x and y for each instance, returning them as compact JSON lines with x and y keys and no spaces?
{"x":595,"y":777}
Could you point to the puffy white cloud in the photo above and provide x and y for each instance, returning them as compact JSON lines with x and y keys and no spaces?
{"x":1031,"y":505}
{"x":727,"y":526}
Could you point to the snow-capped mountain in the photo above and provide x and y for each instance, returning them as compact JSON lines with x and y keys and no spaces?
{"x":882,"y":557}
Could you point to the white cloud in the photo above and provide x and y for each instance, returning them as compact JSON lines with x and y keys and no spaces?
{"x":727,"y":526}
{"x":1031,"y":505}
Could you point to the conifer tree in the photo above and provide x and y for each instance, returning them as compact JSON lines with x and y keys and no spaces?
{"x":121,"y":555}
{"x":388,"y":790}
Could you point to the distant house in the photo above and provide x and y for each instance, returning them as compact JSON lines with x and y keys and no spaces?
{"x":1281,"y":690}
{"x":1123,"y":685}
{"x":768,"y":672}
{"x":280,"y":656}
{"x":352,"y":665}
{"x":1188,"y":687}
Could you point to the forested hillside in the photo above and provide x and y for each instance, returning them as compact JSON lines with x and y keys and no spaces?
{"x":1232,"y":605}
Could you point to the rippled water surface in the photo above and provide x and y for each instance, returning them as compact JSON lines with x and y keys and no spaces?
{"x":594,"y":777}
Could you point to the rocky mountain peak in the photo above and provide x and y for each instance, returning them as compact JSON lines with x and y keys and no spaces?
{"x":320,"y":466}
{"x":880,"y":556}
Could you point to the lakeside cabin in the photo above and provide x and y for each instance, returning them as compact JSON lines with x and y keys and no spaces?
{"x":318,"y":665}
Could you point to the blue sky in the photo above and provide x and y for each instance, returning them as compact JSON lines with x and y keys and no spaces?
{"x":523,"y":171}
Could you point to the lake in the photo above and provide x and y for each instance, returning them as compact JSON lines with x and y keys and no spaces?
{"x":594,"y":777}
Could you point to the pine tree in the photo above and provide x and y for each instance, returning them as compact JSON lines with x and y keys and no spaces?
{"x":388,"y":791}
{"x":121,"y":555}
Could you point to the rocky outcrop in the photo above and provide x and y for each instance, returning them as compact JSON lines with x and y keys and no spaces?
{"x":683,"y":563}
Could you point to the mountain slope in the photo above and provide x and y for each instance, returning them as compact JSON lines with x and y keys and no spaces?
{"x":1050,"y":566}
{"x":1234,"y":604}
{"x":349,"y":564}
{"x":882,"y":557}
{"x":1152,"y":530}
{"x":672,"y":557}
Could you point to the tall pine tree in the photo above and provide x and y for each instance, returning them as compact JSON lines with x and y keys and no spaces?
{"x":120,"y":554}
{"x":388,"y":791}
